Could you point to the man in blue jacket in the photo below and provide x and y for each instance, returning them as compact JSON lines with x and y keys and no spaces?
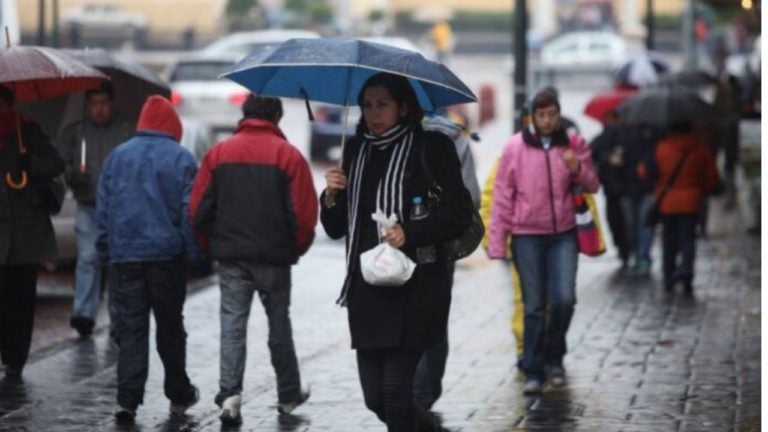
{"x":144,"y":233}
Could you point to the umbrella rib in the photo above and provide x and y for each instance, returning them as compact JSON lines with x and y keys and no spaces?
{"x":276,"y":65}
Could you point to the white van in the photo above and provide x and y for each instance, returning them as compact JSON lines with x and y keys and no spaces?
{"x":9,"y":18}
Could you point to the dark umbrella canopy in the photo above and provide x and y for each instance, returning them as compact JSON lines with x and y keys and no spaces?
{"x":334,"y":70}
{"x":131,"y":82}
{"x":38,"y":73}
{"x":665,"y":105}
{"x":692,"y":78}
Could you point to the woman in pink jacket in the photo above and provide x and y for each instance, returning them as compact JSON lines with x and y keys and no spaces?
{"x":532,"y":203}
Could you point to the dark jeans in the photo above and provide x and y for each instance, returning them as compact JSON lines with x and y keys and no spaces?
{"x":18,"y":289}
{"x":618,"y":226}
{"x":428,"y":381}
{"x":386,"y":376}
{"x":547,"y":266}
{"x":639,"y":235}
{"x":239,"y":281}
{"x":139,"y":287}
{"x":679,"y":242}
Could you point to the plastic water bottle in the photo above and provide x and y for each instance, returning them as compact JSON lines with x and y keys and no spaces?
{"x":419,"y":211}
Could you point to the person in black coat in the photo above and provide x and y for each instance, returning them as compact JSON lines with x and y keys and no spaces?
{"x":382,"y":170}
{"x":26,"y":234}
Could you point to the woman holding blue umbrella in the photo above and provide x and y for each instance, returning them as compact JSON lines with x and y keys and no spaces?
{"x":385,"y":168}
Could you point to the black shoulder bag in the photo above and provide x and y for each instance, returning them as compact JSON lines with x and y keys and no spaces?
{"x":463,"y":245}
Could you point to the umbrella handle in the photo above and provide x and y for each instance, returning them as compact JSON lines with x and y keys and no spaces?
{"x":14,"y":185}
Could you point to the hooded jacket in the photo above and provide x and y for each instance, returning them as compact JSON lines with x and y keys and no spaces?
{"x":254,"y":199}
{"x":532,"y":190}
{"x":144,"y":191}
{"x":697,"y":176}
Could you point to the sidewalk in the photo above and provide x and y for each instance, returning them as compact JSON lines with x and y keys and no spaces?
{"x":638,"y":360}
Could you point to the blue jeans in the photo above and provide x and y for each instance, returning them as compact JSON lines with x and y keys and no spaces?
{"x":159,"y":286}
{"x":88,"y":270}
{"x":679,"y":240}
{"x":547,"y":266}
{"x":640,"y":236}
{"x":239,"y":281}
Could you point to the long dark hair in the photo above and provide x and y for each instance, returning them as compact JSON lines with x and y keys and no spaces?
{"x":401,"y":91}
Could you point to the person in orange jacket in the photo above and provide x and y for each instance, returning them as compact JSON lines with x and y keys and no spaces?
{"x":680,"y":206}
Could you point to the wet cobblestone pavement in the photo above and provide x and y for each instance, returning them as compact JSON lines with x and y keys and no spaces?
{"x":639,"y":360}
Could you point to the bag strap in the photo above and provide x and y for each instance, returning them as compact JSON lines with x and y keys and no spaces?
{"x":673,"y":177}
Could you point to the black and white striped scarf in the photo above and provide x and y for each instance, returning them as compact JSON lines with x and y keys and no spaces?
{"x":389,"y":193}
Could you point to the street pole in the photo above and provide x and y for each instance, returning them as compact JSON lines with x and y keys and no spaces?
{"x":650,"y":25}
{"x":41,"y":22}
{"x":521,"y":64}
{"x":55,"y":33}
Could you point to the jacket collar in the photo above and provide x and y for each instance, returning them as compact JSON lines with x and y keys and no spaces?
{"x":532,"y":137}
{"x":254,"y":125}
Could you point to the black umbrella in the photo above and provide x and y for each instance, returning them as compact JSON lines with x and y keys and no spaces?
{"x":664,"y":105}
{"x":689,"y":78}
{"x":132,"y":84}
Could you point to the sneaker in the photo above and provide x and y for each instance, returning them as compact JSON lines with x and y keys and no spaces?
{"x":288,"y":407}
{"x":124,"y":415}
{"x":83,"y":325}
{"x":532,"y":386}
{"x":179,"y":408}
{"x":230,"y":411}
{"x":556,"y":376}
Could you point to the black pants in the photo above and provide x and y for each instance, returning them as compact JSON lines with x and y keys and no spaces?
{"x":18,"y":289}
{"x":386,"y":376}
{"x":139,"y":287}
{"x":617,"y":225}
{"x":679,"y":249}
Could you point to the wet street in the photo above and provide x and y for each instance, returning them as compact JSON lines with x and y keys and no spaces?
{"x":638,"y":360}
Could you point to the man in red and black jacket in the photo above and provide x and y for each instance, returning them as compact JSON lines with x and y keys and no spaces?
{"x":254,"y":207}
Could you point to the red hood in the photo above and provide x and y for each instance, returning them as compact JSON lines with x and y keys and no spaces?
{"x":158,"y":115}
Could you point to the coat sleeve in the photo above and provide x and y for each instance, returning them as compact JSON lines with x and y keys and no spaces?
{"x":45,"y":162}
{"x":711,"y":178}
{"x":502,"y":209}
{"x":202,"y":201}
{"x":188,"y":173}
{"x":486,"y":201}
{"x":303,"y":200}
{"x":586,"y":177}
{"x":454,"y":214}
{"x":103,"y":194}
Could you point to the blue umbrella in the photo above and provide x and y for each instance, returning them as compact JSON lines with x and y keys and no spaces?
{"x":333,"y":70}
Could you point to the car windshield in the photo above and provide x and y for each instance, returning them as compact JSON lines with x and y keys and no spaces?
{"x":199,"y":70}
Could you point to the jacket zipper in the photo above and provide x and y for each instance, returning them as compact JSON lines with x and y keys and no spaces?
{"x":551,"y":193}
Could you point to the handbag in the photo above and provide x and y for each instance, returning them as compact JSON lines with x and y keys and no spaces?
{"x":589,"y":231}
{"x":53,"y":193}
{"x":463,"y":245}
{"x":652,"y":216}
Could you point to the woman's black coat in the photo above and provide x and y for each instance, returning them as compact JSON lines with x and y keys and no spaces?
{"x":413,"y":316}
{"x":26,"y":232}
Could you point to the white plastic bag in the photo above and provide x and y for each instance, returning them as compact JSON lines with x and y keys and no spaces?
{"x":385,"y":265}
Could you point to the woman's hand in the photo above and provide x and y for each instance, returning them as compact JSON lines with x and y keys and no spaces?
{"x":571,"y":161}
{"x":395,"y":236}
{"x":335,"y":181}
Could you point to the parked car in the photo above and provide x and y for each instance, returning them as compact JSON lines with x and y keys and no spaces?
{"x":101,"y":23}
{"x":241,"y":44}
{"x":584,"y":51}
{"x":325,"y":133}
{"x":198,"y":92}
{"x":196,"y":138}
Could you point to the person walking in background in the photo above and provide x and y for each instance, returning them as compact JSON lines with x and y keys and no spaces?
{"x":85,"y":145}
{"x":638,"y":157}
{"x":26,"y":232}
{"x":255,"y":206}
{"x":533,"y":203}
{"x":608,"y":155}
{"x":145,"y":235}
{"x":391,"y":327}
{"x":687,"y":168}
{"x":428,"y":381}
{"x":441,"y":35}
